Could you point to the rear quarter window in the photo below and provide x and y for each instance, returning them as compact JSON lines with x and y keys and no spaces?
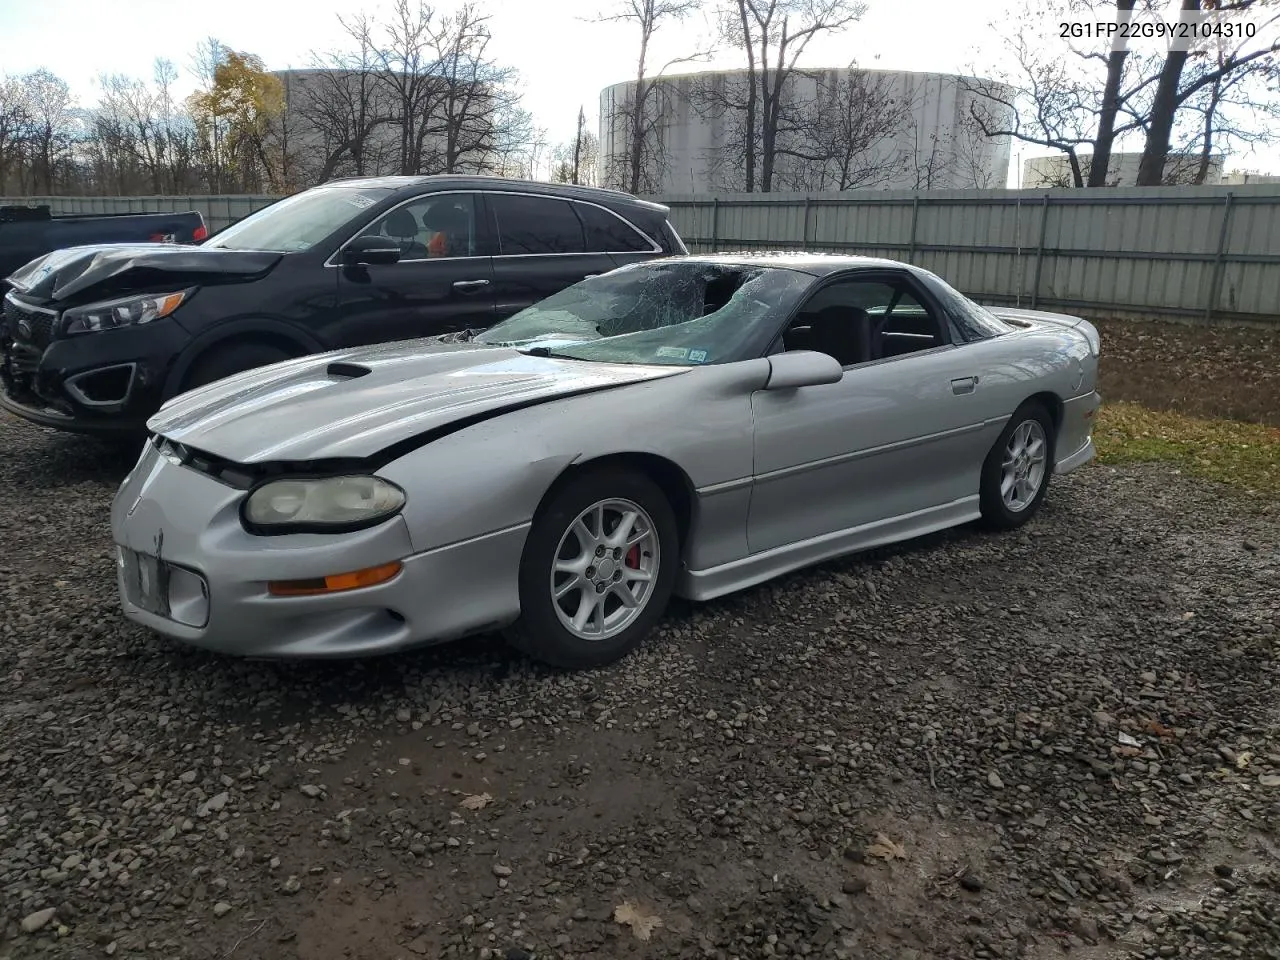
{"x":609,"y":233}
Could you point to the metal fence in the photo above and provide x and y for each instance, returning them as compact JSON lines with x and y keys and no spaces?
{"x":1202,"y":252}
{"x":1198,"y":252}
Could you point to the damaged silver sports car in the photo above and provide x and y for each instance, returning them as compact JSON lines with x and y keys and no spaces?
{"x":694,"y":425}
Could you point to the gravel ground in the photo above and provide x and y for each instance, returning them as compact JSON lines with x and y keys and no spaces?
{"x":969,"y":746}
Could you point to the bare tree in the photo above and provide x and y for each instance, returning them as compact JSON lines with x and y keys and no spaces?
{"x":1043,"y":101}
{"x":639,"y":117}
{"x":576,"y":161}
{"x":1176,"y":86}
{"x":514,"y":137}
{"x":773,"y":36}
{"x":473,"y":86}
{"x":845,"y":135}
{"x":345,"y":103}
{"x":14,"y":120}
{"x":49,"y":132}
{"x":406,"y":62}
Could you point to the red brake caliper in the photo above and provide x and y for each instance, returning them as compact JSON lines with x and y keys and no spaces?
{"x":633,"y":558}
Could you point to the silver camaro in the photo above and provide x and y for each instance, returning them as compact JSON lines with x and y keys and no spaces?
{"x":694,"y":425}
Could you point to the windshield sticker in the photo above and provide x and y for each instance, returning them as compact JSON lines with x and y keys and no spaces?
{"x":677,"y":353}
{"x":697,"y":356}
{"x":361,"y":201}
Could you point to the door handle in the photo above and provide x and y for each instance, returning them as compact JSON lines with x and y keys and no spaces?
{"x":964,"y":385}
{"x":466,"y":286}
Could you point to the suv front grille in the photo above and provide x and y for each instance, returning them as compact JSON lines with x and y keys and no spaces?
{"x":27,"y":323}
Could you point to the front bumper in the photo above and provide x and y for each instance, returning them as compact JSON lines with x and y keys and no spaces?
{"x":191,"y":522}
{"x":108,"y":382}
{"x":1075,"y":434}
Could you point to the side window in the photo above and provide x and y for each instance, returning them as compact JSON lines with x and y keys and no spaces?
{"x":607,"y":233}
{"x":532,"y":225}
{"x":857,"y":321}
{"x":431,"y":227}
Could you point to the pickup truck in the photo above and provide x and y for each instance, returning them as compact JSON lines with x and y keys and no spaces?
{"x":30,"y":232}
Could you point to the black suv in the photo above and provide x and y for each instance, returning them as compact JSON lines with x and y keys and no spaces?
{"x":96,"y":338}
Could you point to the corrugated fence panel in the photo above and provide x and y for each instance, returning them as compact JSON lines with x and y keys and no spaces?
{"x":1187,"y":251}
{"x":1181,"y":251}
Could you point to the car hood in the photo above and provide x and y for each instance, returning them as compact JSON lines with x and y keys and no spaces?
{"x":355,"y":404}
{"x":120,"y":267}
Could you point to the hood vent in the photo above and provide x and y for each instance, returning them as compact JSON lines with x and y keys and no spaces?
{"x":346,"y":371}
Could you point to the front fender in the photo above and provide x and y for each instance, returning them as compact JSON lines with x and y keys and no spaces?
{"x":231,"y":332}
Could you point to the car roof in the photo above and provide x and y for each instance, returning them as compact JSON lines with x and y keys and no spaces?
{"x":817,"y":264}
{"x":475,"y":181}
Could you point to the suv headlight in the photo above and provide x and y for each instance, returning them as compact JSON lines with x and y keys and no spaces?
{"x":126,"y":312}
{"x":323,"y":505}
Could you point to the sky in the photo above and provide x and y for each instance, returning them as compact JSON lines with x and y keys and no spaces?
{"x":564,"y":54}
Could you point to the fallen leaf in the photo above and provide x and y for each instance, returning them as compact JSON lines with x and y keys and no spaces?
{"x":1159,"y":729}
{"x":640,"y":920}
{"x":886,"y":849}
{"x":476,"y":801}
{"x":1242,"y":761}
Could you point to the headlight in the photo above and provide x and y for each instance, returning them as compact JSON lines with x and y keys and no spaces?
{"x":125,"y":312}
{"x":332,"y":503}
{"x":1095,"y":340}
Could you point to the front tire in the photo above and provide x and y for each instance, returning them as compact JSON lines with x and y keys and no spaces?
{"x":1015,"y":475}
{"x":598,"y":569}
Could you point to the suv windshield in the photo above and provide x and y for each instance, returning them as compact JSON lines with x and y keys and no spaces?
{"x":678,"y":313}
{"x":298,"y":222}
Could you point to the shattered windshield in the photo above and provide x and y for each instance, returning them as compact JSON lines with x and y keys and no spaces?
{"x":679,"y":313}
{"x":298,"y":222}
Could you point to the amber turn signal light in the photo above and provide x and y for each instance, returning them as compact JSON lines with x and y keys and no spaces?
{"x":369,"y":577}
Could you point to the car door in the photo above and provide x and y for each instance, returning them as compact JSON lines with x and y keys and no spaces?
{"x":901,"y":436}
{"x":443,"y":281}
{"x":541,"y":249}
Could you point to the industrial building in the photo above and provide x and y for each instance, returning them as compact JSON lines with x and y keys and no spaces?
{"x":844,"y":129}
{"x":1122,"y":169}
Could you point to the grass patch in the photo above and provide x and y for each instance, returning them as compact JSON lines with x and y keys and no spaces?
{"x":1244,"y":455}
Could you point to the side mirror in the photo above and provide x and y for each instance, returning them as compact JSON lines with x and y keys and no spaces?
{"x":371,"y":249}
{"x":802,"y":368}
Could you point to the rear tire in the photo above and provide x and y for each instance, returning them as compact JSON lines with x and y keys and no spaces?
{"x":1016,"y":473}
{"x":226,"y":361}
{"x":598,"y":569}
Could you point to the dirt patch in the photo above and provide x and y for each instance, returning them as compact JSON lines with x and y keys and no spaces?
{"x":1201,"y":371}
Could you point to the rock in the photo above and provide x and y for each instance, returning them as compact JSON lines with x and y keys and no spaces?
{"x":311,"y":790}
{"x":403,"y":715}
{"x":291,"y":886}
{"x":993,"y":779}
{"x":1223,"y":869}
{"x":971,"y":882}
{"x":854,"y":885}
{"x":221,"y":908}
{"x":501,"y":871}
{"x":214,"y":804}
{"x":35,"y":922}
